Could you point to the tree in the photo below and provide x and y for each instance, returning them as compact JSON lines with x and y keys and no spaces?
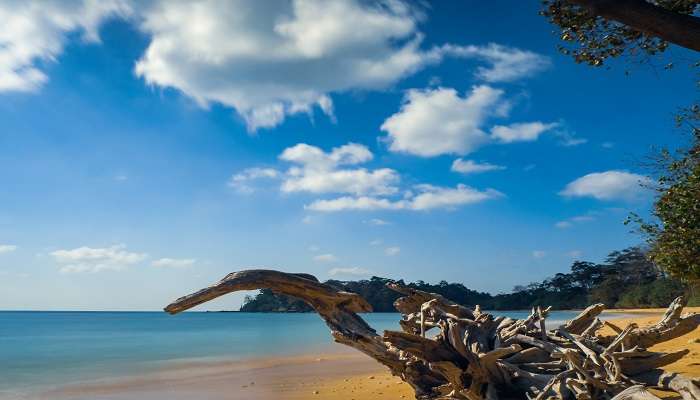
{"x":598,"y":29}
{"x":675,"y":237}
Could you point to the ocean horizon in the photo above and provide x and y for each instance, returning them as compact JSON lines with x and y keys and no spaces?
{"x":41,"y":350}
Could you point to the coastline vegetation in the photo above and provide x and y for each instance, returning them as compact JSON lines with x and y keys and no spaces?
{"x":627,"y":279}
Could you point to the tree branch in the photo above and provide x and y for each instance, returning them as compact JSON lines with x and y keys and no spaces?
{"x":680,"y":29}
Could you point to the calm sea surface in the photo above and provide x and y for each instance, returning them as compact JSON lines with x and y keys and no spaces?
{"x":43,"y":349}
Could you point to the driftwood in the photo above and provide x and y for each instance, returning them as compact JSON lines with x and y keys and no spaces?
{"x":474,"y":355}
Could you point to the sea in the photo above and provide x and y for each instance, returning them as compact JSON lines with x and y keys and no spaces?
{"x":48,"y":349}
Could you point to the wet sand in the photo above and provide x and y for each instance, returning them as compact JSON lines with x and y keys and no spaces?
{"x":345,"y":375}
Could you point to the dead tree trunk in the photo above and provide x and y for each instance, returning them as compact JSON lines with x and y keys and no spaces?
{"x":475,"y":355}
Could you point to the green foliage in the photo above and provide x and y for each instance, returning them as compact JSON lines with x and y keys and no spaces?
{"x":626,"y":279}
{"x":267,"y":301}
{"x":658,"y":293}
{"x":675,"y":238}
{"x":592,"y":39}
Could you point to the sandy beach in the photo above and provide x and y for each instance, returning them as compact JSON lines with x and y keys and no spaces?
{"x":343,"y":375}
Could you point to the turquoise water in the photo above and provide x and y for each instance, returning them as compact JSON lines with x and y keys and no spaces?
{"x":40,"y":349}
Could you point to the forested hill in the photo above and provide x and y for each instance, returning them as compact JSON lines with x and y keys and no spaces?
{"x":626,"y":279}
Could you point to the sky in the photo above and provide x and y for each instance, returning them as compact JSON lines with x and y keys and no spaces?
{"x":147,"y":149}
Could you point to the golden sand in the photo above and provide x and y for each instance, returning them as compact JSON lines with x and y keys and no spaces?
{"x":384,"y":386}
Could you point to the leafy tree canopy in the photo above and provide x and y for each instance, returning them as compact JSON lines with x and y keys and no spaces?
{"x":675,"y":237}
{"x":595,"y":30}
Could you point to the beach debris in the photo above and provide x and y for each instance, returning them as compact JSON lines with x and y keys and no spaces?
{"x":475,"y":355}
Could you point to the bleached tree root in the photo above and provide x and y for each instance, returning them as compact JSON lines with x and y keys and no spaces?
{"x":477,"y":356}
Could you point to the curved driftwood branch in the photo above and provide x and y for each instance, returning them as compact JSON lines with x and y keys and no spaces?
{"x":337,"y":308}
{"x":475,"y":355}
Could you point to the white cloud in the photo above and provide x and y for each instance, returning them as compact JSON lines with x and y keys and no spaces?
{"x":377,"y":222}
{"x":568,"y":223}
{"x":439,"y":121}
{"x":35,"y":32}
{"x":265,"y":59}
{"x":314,"y":157}
{"x":429,"y":197}
{"x":326,"y":258}
{"x":520,"y":132}
{"x":472,"y":167}
{"x":88,"y":259}
{"x":307,"y":219}
{"x":320,"y":172}
{"x":240,"y":181}
{"x":608,"y":185}
{"x":570,"y":140}
{"x":376,"y":242}
{"x":173,"y":262}
{"x":354,"y":271}
{"x":270,"y":59}
{"x":432,"y":197}
{"x":392,"y":251}
{"x":363,"y":203}
{"x":539,"y":253}
{"x":7,"y":248}
{"x":507,"y":64}
{"x":313,"y":248}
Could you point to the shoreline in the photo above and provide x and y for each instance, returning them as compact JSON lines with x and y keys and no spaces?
{"x":340,"y":374}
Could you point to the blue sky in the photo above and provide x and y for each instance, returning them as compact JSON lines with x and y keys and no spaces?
{"x":149,"y":148}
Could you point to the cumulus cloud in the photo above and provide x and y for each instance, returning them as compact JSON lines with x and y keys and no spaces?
{"x":539,"y":253}
{"x":520,"y":132}
{"x":432,"y":197}
{"x":439,"y":121}
{"x":272,"y":59}
{"x":322,"y":172}
{"x":392,"y":251}
{"x":265,"y":59}
{"x":353,"y":271}
{"x":345,"y":203}
{"x":429,"y":197}
{"x":173,"y":262}
{"x":35,"y":32}
{"x":326,"y":258}
{"x":240,"y":181}
{"x":608,"y":185}
{"x":7,"y":248}
{"x":472,"y":167}
{"x":276,"y":58}
{"x":89,"y":259}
